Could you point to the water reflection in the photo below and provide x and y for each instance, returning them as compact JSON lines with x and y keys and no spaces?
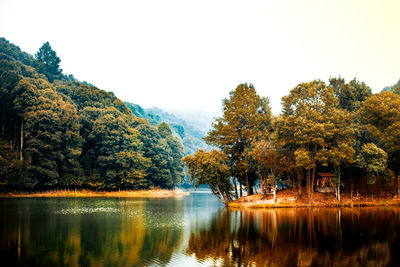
{"x":194,"y":230}
{"x":88,"y":232}
{"x":299,"y":237}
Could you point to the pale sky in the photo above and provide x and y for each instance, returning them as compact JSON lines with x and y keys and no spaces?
{"x":185,"y":56}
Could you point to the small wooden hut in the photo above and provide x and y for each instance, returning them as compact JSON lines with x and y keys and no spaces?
{"x":325,"y":183}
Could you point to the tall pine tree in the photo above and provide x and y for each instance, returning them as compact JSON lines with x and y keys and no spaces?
{"x":49,"y":62}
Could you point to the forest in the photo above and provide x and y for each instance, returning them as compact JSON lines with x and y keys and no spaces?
{"x":59,"y":133}
{"x":340,"y":129}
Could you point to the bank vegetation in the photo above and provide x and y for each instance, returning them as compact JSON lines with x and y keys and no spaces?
{"x":328,"y":138}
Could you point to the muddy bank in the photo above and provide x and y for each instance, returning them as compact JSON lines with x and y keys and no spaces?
{"x":289,"y":198}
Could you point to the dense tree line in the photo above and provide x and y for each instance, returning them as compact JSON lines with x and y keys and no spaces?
{"x":340,"y":127}
{"x":57,"y":132}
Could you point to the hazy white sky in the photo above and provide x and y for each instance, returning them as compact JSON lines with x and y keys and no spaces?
{"x":184,"y":55}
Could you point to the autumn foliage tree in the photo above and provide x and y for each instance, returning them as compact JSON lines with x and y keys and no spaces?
{"x":373,"y":160}
{"x":211,"y":168}
{"x":246,"y":117}
{"x":272,"y":161}
{"x":316,"y":129}
{"x":381,"y":114}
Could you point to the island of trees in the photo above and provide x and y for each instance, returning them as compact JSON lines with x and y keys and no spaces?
{"x":340,"y":129}
{"x":57,"y":132}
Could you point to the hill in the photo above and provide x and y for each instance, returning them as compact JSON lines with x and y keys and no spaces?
{"x":190,"y":133}
{"x":57,"y":132}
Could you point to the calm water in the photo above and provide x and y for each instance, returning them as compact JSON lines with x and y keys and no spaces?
{"x":193,"y":230}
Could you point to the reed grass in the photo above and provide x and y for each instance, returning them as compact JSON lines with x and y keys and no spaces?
{"x":154,"y":193}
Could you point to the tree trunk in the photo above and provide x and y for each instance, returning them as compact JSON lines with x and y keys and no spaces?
{"x":351,"y":192}
{"x":215,"y":193}
{"x":29,"y":161}
{"x":222,"y":196}
{"x":338,"y":188}
{"x":251,"y":190}
{"x":275,"y":193}
{"x":309,"y":185}
{"x":274,"y":184}
{"x":249,"y":186}
{"x":22,"y":140}
{"x":3,"y":121}
{"x":313,"y":174}
{"x":235,"y":185}
{"x":263,"y":187}
{"x":299,"y":188}
{"x":398,"y":184}
{"x":337,"y":171}
{"x":241,"y":189}
{"x":299,"y":180}
{"x":15,"y":135}
{"x":312,"y":183}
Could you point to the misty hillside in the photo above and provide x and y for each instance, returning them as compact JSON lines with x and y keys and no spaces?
{"x":191,"y":133}
{"x":394,"y":88}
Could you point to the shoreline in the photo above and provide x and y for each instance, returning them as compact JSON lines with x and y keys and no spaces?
{"x":254,"y":206}
{"x":289,"y":199}
{"x":153,"y":193}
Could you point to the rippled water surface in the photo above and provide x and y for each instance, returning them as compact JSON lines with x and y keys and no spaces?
{"x":192,"y":230}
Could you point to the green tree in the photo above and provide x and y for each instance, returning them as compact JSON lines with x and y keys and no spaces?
{"x":246,"y":117}
{"x":339,"y":139}
{"x":51,"y":131}
{"x":49,"y":62}
{"x":114,"y":150}
{"x":315,"y":129}
{"x":157,"y":150}
{"x":13,"y":172}
{"x":397,"y":90}
{"x":373,"y":160}
{"x":175,"y":153}
{"x":381,"y":114}
{"x":272,"y":161}
{"x":211,"y":168}
{"x":350,"y":95}
{"x":164,"y":130}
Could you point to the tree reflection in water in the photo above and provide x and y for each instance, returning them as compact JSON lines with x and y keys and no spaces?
{"x":90,"y":232}
{"x":300,"y":237}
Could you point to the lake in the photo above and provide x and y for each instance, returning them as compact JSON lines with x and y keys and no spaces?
{"x":193,"y":230}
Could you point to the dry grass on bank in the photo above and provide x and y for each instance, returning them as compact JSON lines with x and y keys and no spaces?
{"x":155,"y":193}
{"x":288,"y":198}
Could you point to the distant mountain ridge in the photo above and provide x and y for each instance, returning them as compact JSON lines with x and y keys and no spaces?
{"x":190,"y":134}
{"x":393,"y":88}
